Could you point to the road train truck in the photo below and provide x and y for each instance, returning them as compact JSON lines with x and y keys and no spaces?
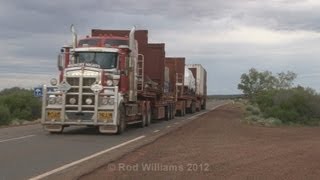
{"x":108,"y":80}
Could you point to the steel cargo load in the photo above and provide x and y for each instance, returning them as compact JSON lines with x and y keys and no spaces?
{"x":176,"y":67}
{"x":154,"y":53}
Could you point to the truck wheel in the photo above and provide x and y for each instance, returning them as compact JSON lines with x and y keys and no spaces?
{"x":143,"y":120}
{"x":122,"y":120}
{"x":148,"y":116}
{"x":167,"y":113}
{"x":193,"y":108}
{"x":172,"y":112}
{"x":203,"y":106}
{"x":188,"y":110}
{"x":184,"y":109}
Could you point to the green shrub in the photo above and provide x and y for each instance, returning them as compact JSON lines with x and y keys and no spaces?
{"x":249,"y":108}
{"x":20,"y":104}
{"x":291,"y":106}
{"x":253,"y":118}
{"x":254,"y":110}
{"x":4,"y":115}
{"x":273,"y":121}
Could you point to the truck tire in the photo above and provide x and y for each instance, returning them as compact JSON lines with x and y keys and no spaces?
{"x":167,"y":113}
{"x":183,"y":110}
{"x":122,"y":120}
{"x":148,"y":116}
{"x":193,"y":107}
{"x":204,"y":105}
{"x":170,"y":112}
{"x":173,"y":112}
{"x":143,"y":120}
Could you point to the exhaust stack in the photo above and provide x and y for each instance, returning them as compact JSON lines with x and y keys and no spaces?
{"x":133,"y":66}
{"x":74,"y":36}
{"x":132,"y":39}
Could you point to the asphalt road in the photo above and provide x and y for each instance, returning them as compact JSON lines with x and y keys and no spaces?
{"x":28,"y":151}
{"x":217,"y":145}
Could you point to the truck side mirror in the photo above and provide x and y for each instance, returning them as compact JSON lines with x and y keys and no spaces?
{"x":60,"y":62}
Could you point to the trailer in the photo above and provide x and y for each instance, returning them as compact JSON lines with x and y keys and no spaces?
{"x":200,"y":75}
{"x":183,"y":86}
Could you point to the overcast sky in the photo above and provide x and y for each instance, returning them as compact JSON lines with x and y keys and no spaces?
{"x":227,"y":37}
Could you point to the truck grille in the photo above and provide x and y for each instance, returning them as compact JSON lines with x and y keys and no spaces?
{"x":88,"y":81}
{"x":73,"y":81}
{"x":75,"y":88}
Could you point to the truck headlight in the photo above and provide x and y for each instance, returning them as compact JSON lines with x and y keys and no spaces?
{"x":111,"y":101}
{"x":109,"y":82}
{"x":88,"y":101}
{"x":104,"y":101}
{"x":116,"y":82}
{"x":52,"y":100}
{"x":53,"y":81}
{"x":107,"y":101}
{"x":59,"y":100}
{"x":72,"y":101}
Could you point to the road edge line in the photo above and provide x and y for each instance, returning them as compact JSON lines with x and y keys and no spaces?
{"x":17,"y":138}
{"x":41,"y":176}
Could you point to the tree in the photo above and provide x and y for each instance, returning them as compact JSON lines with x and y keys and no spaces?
{"x":285,"y":80}
{"x":255,"y":82}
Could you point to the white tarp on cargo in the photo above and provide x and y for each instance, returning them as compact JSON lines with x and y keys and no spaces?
{"x":200,"y":77}
{"x":189,"y":79}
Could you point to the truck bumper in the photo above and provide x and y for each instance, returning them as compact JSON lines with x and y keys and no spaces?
{"x":54,"y":118}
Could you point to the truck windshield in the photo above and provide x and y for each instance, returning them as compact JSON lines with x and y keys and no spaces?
{"x":106,"y":60}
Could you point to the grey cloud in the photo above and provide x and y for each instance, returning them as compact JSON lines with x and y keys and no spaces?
{"x":33,"y":31}
{"x":36,"y":16}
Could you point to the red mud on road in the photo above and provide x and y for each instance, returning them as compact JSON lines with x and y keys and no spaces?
{"x":218,"y":146}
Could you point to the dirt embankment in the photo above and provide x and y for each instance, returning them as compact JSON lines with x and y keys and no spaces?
{"x":219,"y":146}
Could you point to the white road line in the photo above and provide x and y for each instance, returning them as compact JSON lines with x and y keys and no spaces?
{"x":219,"y":106}
{"x":176,"y":123}
{"x":195,"y":116}
{"x":200,"y":114}
{"x":84,"y":159}
{"x":155,"y":131}
{"x":168,"y":126}
{"x":17,"y":138}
